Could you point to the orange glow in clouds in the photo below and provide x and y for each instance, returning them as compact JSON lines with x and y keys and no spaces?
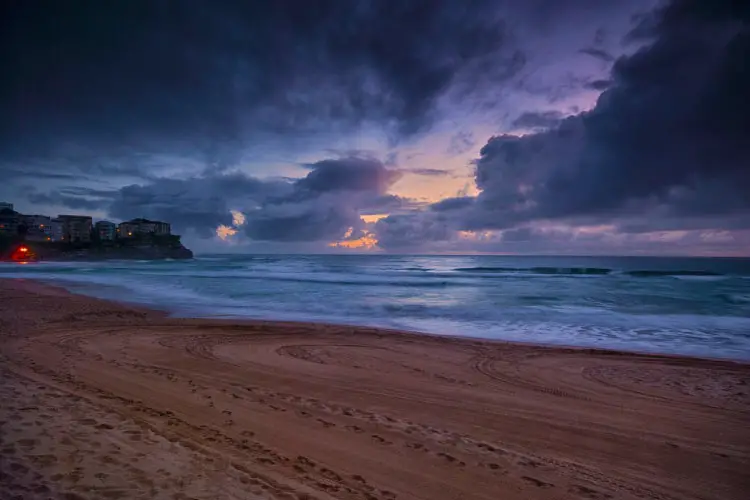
{"x":225,"y":232}
{"x":367,"y":241}
{"x":373,"y":217}
{"x":238,"y":218}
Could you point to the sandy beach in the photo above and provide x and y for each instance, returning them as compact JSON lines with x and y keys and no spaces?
{"x":103,"y":400}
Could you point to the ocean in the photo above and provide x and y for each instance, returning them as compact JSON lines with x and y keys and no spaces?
{"x":696,"y":306}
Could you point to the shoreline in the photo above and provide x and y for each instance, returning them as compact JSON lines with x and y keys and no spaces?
{"x":162,"y":407}
{"x":173,"y":314}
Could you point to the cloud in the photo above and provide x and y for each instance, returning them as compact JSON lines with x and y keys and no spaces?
{"x":670,"y":132}
{"x":430,"y":172}
{"x":597,"y":53}
{"x":183,"y":114}
{"x":665,"y":148}
{"x":238,"y":218}
{"x":325,"y":204}
{"x":461,"y":143}
{"x":410,"y":231}
{"x":9,"y":174}
{"x":449,"y":204}
{"x":60,"y":199}
{"x":197,"y":203}
{"x":320,"y":207}
{"x":599,"y":84}
{"x":348,"y":174}
{"x":537,"y":119}
{"x":319,"y":219}
{"x":73,"y":197}
{"x":201,"y":80}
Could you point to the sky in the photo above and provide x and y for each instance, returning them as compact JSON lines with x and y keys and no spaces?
{"x":394,"y":126}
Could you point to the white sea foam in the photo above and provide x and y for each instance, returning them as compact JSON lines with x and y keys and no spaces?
{"x":623,"y":303}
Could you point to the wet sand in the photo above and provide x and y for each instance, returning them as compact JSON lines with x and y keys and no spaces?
{"x":102,"y":400}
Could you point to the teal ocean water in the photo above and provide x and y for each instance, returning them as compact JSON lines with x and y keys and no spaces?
{"x":667,"y":305}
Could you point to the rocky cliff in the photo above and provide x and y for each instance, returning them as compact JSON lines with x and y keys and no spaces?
{"x":117,"y":253}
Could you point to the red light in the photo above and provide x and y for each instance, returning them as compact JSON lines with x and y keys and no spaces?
{"x":23,"y":249}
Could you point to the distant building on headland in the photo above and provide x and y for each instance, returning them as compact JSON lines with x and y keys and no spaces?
{"x":27,"y":237}
{"x":136,"y":227}
{"x":105,"y":230}
{"x":38,"y":227}
{"x":76,"y":228}
{"x":56,"y":230}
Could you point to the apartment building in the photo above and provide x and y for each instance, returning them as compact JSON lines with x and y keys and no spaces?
{"x":76,"y":228}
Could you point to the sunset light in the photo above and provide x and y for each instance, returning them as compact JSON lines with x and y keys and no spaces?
{"x":238,"y":218}
{"x":225,"y":232}
{"x":373,"y":217}
{"x":367,"y":241}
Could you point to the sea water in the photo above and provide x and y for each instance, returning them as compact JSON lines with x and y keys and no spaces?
{"x":668,"y":305}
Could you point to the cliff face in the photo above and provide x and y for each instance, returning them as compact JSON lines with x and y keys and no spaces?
{"x":117,"y":253}
{"x":146,"y":247}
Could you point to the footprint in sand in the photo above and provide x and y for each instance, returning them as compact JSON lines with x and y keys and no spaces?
{"x":452,"y":459}
{"x":18,"y":468}
{"x":587,"y":492}
{"x":380,"y":439}
{"x":27,"y":443}
{"x":493,"y":466}
{"x":72,"y":496}
{"x":328,"y":473}
{"x":537,"y":482}
{"x":44,"y":460}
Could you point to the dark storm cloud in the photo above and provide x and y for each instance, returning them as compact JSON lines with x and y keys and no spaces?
{"x":323,"y":205}
{"x":671,"y":131}
{"x":201,"y":78}
{"x":170,"y":99}
{"x":348,"y":174}
{"x":74,"y":202}
{"x":85,"y":191}
{"x":408,"y":231}
{"x":665,"y":146}
{"x":599,"y":84}
{"x":599,"y":36}
{"x":537,"y":119}
{"x":324,"y":218}
{"x":74,"y":197}
{"x":197,"y":203}
{"x":9,"y":174}
{"x":318,"y":207}
{"x":449,"y":204}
